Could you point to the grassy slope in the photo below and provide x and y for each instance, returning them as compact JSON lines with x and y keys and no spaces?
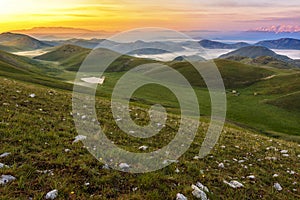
{"x":41,"y":146}
{"x":246,"y":110}
{"x":26,"y":69}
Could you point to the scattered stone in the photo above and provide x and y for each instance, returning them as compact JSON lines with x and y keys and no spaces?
{"x":3,"y":165}
{"x":49,"y":172}
{"x":180,"y":197}
{"x":251,"y":177}
{"x":202,"y":187}
{"x":67,"y":150}
{"x":177,"y":170}
{"x":5,"y":154}
{"x":275,"y":175}
{"x":271,"y":158}
{"x":234,"y":184}
{"x":221,"y":165}
{"x":285,"y":155}
{"x":143,"y":148}
{"x":52,"y":194}
{"x":86,"y":183}
{"x":6,"y":179}
{"x":196,"y":157}
{"x":277,"y":186}
{"x":124,"y":166}
{"x":79,"y":138}
{"x":169,"y":161}
{"x":198,"y":193}
{"x":32,"y":95}
{"x":134,"y":189}
{"x":291,"y":172}
{"x":105,"y":166}
{"x":223,"y":147}
{"x":284,"y":151}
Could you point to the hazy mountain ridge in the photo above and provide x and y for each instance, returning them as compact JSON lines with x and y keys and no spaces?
{"x":209,"y":44}
{"x":283,"y":43}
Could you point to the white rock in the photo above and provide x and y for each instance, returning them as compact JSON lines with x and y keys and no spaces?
{"x":86,"y":183}
{"x":124,"y":166}
{"x":275,"y":175}
{"x":144,"y":147}
{"x":196,"y":157}
{"x":177,"y":170}
{"x":3,"y":165}
{"x":284,"y":151}
{"x":105,"y":166}
{"x":67,"y":150}
{"x":234,"y":184}
{"x":270,"y":158}
{"x":169,"y":161}
{"x":277,"y":186}
{"x":251,"y":177}
{"x":52,"y":194}
{"x":200,"y":194}
{"x":32,"y":95}
{"x":221,"y":165}
{"x":6,"y":179}
{"x":5,"y":154}
{"x":79,"y":138}
{"x":202,"y":187}
{"x":180,"y":197}
{"x":134,"y":189}
{"x":285,"y":155}
{"x":291,"y":172}
{"x":223,"y":147}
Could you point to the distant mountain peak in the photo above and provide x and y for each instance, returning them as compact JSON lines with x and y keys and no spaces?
{"x":278,"y":29}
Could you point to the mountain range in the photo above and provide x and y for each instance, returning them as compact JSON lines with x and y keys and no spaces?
{"x":261,"y":55}
{"x":283,"y":43}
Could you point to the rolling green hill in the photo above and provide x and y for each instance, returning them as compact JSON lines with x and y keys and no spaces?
{"x":70,"y":57}
{"x":234,"y":74}
{"x":19,"y":42}
{"x":28,"y":70}
{"x":64,"y":52}
{"x":256,"y":51}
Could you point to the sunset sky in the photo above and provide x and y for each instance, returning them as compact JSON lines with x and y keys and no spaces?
{"x":118,"y":15}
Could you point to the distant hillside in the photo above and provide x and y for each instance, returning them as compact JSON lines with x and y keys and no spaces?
{"x":234,"y":74}
{"x":264,"y":61}
{"x":90,"y":44}
{"x":189,"y":58}
{"x":28,"y":70}
{"x":71,"y":57}
{"x":284,"y":43}
{"x":19,"y":42}
{"x":219,"y":45}
{"x":256,"y":51}
{"x":63,"y":52}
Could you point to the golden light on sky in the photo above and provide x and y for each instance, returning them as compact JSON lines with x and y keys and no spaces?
{"x":118,"y":15}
